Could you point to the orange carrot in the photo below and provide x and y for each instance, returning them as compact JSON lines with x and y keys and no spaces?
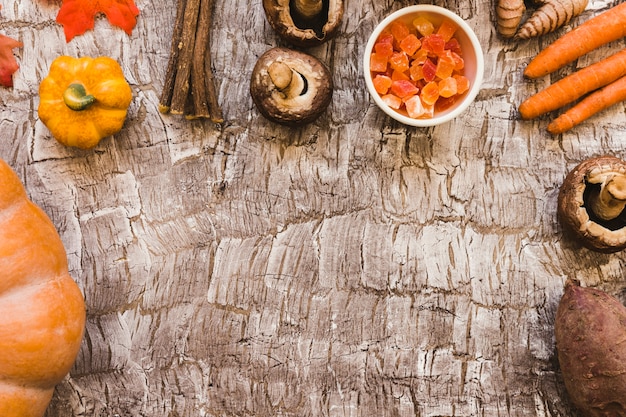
{"x":590,"y":105}
{"x":595,"y":32}
{"x":574,"y":86}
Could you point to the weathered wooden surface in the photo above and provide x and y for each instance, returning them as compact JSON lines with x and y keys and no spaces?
{"x":354,"y":267}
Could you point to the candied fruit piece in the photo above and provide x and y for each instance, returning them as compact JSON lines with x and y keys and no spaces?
{"x":462,"y":83}
{"x":385,"y":37}
{"x":417,"y":109}
{"x":416,"y":72}
{"x":430,"y":93}
{"x":446,"y":30}
{"x":444,"y":103}
{"x":419,"y":57}
{"x":399,"y":61}
{"x":454,"y":46}
{"x":403,"y":88}
{"x":399,"y":75}
{"x":382,"y":83}
{"x":383,"y":49}
{"x":459,"y":62}
{"x":434,"y":44}
{"x":430,"y":70}
{"x":445,"y":66}
{"x":447,"y":87}
{"x":414,"y":107}
{"x":392,"y":101}
{"x":410,"y":44}
{"x":378,"y":63}
{"x":399,"y":30}
{"x":423,"y":26}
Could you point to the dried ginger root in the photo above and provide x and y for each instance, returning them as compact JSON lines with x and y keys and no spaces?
{"x":509,"y":15}
{"x":549,"y":16}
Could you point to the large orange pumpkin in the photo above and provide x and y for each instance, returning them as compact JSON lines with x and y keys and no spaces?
{"x":42,"y":311}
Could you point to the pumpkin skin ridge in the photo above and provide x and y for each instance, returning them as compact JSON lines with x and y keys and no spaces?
{"x":43,"y":341}
{"x":16,"y":251}
{"x":30,"y":401}
{"x":42,"y":309}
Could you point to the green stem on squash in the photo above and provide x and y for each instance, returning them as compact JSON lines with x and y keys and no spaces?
{"x":76,"y":97}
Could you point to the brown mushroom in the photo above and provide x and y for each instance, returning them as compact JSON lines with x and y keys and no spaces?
{"x":304,"y":23}
{"x":290,"y":87}
{"x":591,"y":202}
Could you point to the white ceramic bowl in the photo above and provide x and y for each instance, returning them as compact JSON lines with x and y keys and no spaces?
{"x":472,"y":55}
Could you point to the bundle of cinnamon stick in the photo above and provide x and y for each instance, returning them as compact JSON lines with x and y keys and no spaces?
{"x":189,"y":87}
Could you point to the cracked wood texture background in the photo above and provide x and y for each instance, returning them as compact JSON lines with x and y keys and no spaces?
{"x":353,"y":267}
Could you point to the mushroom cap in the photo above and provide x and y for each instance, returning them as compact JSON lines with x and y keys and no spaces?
{"x":573,"y":214}
{"x":279,"y":16}
{"x":302,"y":109}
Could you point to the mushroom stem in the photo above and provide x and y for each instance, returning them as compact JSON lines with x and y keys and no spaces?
{"x":609,"y":201}
{"x":287,"y":80}
{"x":308,"y":9}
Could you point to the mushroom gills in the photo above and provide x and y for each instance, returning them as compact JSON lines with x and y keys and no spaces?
{"x":310,"y":14}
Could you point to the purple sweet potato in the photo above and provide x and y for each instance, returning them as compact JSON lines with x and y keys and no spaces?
{"x":590,"y":331}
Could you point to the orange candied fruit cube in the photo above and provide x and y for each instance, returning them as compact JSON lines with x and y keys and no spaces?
{"x":392,"y":101}
{"x":403,"y":88}
{"x":462,"y":83}
{"x":378,"y":63}
{"x":454,"y":46}
{"x":434,"y":44}
{"x":417,"y":109}
{"x":399,"y":61}
{"x":445,"y":103}
{"x":423,"y":26}
{"x":447,"y":87}
{"x":459,"y":62}
{"x":385,"y":37}
{"x":446,"y":30}
{"x":382,"y":83}
{"x":399,"y":75}
{"x":416,"y":72}
{"x":430,"y":70}
{"x":430,"y":93}
{"x":419,"y":57}
{"x":383,"y":49}
{"x":399,"y":30}
{"x":445,"y":66}
{"x":410,"y":44}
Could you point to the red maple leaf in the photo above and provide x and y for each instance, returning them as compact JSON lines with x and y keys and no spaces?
{"x":8,"y":64}
{"x":78,"y":16}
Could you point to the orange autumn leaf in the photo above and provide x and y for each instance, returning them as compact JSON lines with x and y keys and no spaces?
{"x":8,"y":64}
{"x":78,"y":16}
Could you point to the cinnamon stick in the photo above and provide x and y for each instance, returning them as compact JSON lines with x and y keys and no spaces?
{"x":189,"y":88}
{"x":183,"y":70}
{"x":165,"y":101}
{"x":199,"y":93}
{"x":214,"y":108}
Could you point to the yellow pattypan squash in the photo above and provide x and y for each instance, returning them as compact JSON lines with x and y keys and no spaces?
{"x":83,"y":100}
